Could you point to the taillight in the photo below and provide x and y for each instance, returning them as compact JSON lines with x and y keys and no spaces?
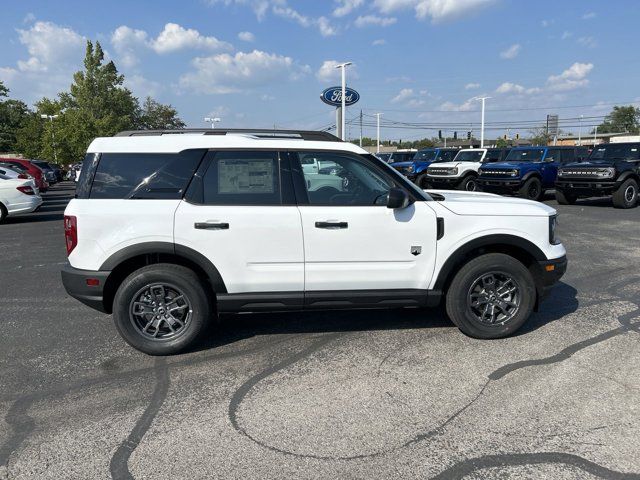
{"x":70,"y":232}
{"x":26,"y":189}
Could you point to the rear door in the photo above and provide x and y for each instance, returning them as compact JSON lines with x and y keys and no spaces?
{"x":240,"y":214}
{"x":352,"y":241}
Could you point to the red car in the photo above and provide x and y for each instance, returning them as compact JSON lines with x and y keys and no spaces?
{"x":31,"y":169}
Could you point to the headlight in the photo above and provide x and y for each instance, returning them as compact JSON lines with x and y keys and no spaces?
{"x":553,"y":222}
{"x":608,"y":172}
{"x":410,"y":168}
{"x":453,"y":171}
{"x":560,"y":172}
{"x":514,"y":173}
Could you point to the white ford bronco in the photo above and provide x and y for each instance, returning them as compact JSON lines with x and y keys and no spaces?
{"x":170,"y":228}
{"x":461,"y":173}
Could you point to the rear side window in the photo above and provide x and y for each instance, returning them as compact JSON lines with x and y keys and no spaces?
{"x":242,"y":178}
{"x":140,"y":175}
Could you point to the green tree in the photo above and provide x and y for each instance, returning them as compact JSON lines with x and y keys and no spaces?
{"x":625,"y":119}
{"x":540,"y":136}
{"x":501,"y":143}
{"x":156,"y":116}
{"x":13,"y":116}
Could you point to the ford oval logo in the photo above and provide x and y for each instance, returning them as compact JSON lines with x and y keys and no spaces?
{"x":333,"y":96}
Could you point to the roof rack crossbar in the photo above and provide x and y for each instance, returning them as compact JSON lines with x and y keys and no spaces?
{"x":313,"y":135}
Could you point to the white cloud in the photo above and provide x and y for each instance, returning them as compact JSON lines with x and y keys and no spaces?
{"x":509,"y":87}
{"x":378,"y":42}
{"x":328,"y":71}
{"x":49,"y":46}
{"x":259,"y":7}
{"x":345,"y":7}
{"x":547,"y":23}
{"x":572,"y":78}
{"x":325,"y":28}
{"x":589,"y":15}
{"x":175,"y":37}
{"x":127,"y":41}
{"x":141,"y":86}
{"x":566,"y":34}
{"x":368,"y":20}
{"x":246,"y":36}
{"x":511,"y":52}
{"x":225,"y":73}
{"x":29,"y":18}
{"x":588,"y":42}
{"x":435,"y":10}
{"x":471,"y":86}
{"x":467,"y":106}
{"x":405,"y":94}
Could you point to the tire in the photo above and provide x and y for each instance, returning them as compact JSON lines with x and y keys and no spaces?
{"x":532,"y":189}
{"x":469,"y":184}
{"x":626,"y":196}
{"x":3,"y":213}
{"x":139,"y":294}
{"x":422,"y":182}
{"x":466,"y":286}
{"x":565,"y":198}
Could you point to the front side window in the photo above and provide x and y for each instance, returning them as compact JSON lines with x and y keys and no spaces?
{"x":528,"y":155}
{"x":353,"y":181}
{"x":243,"y":178}
{"x":492,"y":156}
{"x":468,"y":156}
{"x":445,"y":156}
{"x":425,"y":155}
{"x":140,"y":175}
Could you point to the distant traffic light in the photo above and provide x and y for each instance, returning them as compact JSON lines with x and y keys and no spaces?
{"x":455,"y":135}
{"x":440,"y":134}
{"x":517,"y":136}
{"x":468,"y":135}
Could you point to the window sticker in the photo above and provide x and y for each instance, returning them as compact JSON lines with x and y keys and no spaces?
{"x":245,"y":176}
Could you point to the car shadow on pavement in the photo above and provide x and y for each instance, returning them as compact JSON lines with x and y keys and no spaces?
{"x":233,"y":328}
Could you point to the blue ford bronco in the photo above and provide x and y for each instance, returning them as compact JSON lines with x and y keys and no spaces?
{"x":416,"y":169}
{"x":528,"y":171}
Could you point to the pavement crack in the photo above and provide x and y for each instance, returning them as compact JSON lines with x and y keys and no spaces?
{"x":473,"y":465}
{"x":21,"y":427}
{"x":119,"y":465}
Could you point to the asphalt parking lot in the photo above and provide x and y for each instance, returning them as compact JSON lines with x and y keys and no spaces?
{"x":370,"y":394}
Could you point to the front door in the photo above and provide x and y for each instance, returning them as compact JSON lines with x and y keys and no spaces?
{"x":352,"y":241}
{"x":241,"y":215}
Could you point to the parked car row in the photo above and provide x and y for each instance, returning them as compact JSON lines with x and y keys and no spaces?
{"x":528,"y":172}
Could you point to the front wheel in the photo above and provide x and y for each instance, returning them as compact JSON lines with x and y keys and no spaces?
{"x":626,"y":196}
{"x":491,"y":296}
{"x":422,"y":181}
{"x":3,"y":213}
{"x":161,"y":309}
{"x":469,"y":184}
{"x":565,"y":198}
{"x":532,"y":189}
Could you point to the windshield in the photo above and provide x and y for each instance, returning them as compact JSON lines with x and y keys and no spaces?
{"x":425,"y":155}
{"x":469,"y":156}
{"x":528,"y":155}
{"x":614,"y":151}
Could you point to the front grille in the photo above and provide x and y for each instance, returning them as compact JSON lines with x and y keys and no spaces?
{"x":586,"y":173}
{"x":504,"y":173}
{"x":439,"y":171}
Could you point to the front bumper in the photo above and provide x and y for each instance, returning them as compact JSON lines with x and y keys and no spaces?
{"x":75,"y":283}
{"x":447,"y":181}
{"x":549,"y":273}
{"x":499,"y":184}
{"x":32,"y":203}
{"x":587,"y":187}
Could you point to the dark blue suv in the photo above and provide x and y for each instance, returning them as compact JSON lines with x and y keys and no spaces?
{"x":416,"y":169}
{"x":528,"y":171}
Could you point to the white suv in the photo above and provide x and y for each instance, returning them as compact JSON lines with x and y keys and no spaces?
{"x":462,"y":172}
{"x":168,"y":229}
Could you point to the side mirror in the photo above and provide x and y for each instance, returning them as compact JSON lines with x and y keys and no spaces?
{"x":549,"y":159}
{"x":397,"y":198}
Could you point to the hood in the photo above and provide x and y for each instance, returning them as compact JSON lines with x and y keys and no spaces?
{"x":489,"y":204}
{"x":503,"y":165}
{"x":401,"y":164}
{"x":446,"y":164}
{"x":594,"y":164}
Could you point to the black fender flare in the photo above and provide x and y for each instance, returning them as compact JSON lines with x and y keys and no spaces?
{"x":531,"y":173}
{"x":487,"y":241}
{"x":628,"y":174}
{"x":151,"y":248}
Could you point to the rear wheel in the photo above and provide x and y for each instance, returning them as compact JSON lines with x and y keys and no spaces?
{"x":491,"y":296}
{"x":3,"y":213}
{"x":626,"y":196}
{"x":469,"y":184}
{"x":565,"y":198}
{"x":532,"y":189}
{"x":161,"y":309}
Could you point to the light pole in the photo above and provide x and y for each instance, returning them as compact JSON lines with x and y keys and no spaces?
{"x":51,"y":118}
{"x":580,"y":132}
{"x":343,"y":67}
{"x":482,"y":121}
{"x":212,"y":121}
{"x":378,"y":135}
{"x":595,"y":136}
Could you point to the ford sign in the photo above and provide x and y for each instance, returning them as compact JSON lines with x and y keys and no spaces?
{"x":333,"y":96}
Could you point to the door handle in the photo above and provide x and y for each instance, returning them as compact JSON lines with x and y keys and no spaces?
{"x":211,"y":226}
{"x":332,"y":225}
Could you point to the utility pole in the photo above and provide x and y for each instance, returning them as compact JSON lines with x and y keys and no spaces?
{"x":580,"y":132}
{"x":51,"y":118}
{"x":343,"y":67}
{"x":595,"y":136}
{"x":482,"y":99}
{"x":378,"y":135}
{"x":360,"y":128}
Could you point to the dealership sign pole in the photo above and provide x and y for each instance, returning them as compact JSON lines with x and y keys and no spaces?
{"x":333,"y":96}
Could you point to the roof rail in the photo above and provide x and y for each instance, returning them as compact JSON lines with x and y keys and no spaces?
{"x":314,"y":135}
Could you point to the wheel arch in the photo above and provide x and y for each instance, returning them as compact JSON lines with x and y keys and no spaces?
{"x":520,"y":248}
{"x":624,"y":176}
{"x":129,"y":259}
{"x":530,"y":174}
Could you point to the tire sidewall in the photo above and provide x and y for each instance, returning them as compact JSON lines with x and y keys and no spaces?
{"x":622,"y":198}
{"x":187,"y":282}
{"x":466,"y":180}
{"x":527,"y":187}
{"x":3,"y":213}
{"x":457,"y":306}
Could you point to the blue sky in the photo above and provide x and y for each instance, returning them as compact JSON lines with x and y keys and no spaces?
{"x":262,"y":63}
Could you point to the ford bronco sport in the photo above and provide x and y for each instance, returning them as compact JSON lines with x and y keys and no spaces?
{"x":612,"y":169}
{"x":168,"y":229}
